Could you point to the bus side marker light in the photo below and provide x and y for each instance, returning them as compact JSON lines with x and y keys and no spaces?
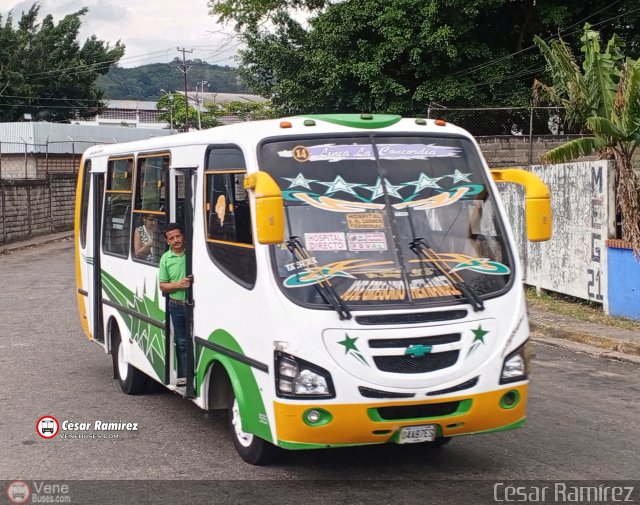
{"x":309,"y":122}
{"x":440,"y":122}
{"x":285,"y":124}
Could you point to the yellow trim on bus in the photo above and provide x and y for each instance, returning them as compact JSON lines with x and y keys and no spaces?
{"x":226,"y":171}
{"x":228,"y":242}
{"x":81,"y":299}
{"x":352,"y":424}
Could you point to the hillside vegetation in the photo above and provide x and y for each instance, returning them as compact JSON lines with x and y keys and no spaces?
{"x":146,"y":81}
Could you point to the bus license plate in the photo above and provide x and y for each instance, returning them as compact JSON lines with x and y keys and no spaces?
{"x":417,"y":434}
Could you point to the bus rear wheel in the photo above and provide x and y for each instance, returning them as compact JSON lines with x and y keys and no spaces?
{"x":132,"y":381}
{"x":251,"y":449}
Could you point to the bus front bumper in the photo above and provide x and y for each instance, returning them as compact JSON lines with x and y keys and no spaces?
{"x":314,"y":425}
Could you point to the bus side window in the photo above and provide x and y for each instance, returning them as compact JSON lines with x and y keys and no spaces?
{"x":117,"y":211}
{"x":228,"y":217}
{"x":148,"y":244}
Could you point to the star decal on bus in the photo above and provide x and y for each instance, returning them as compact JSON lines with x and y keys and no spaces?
{"x":478,"y":339}
{"x":350,"y":348}
{"x":299,"y":181}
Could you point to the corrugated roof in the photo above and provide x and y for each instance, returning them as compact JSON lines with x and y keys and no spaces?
{"x":66,"y":138}
{"x":131,"y":104}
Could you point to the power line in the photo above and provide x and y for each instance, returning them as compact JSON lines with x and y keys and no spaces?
{"x":496,"y":60}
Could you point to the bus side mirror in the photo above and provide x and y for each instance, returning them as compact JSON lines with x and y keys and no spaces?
{"x":269,"y":207}
{"x":537,"y":201}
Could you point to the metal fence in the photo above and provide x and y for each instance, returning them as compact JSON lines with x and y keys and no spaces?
{"x":524,"y":121}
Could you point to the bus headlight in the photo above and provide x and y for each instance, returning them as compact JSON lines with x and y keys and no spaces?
{"x":297,"y":378}
{"x":516,"y":365}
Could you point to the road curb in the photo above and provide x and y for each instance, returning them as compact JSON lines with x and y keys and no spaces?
{"x":34,"y":242}
{"x":605,"y":343}
{"x":596,"y":352}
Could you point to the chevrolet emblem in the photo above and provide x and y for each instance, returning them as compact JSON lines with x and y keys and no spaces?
{"x":418,"y":350}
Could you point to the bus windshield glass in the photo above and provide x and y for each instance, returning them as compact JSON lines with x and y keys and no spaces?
{"x":386,"y":221}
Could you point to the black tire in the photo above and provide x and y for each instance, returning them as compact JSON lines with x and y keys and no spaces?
{"x":132,"y":381}
{"x":252,"y":449}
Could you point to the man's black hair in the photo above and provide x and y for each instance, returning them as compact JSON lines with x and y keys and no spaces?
{"x":173,"y":226}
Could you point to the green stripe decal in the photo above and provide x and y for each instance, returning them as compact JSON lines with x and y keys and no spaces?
{"x":369,"y":121}
{"x":252,"y":410}
{"x":149,"y":337}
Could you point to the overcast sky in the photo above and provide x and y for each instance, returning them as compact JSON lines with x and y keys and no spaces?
{"x":150,"y":29}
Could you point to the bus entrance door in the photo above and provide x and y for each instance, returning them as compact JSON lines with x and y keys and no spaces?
{"x":181,"y":185}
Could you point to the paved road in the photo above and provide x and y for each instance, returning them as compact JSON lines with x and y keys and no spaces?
{"x":583,"y":414}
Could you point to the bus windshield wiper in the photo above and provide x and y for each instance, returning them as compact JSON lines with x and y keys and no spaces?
{"x":324,"y":287}
{"x":421,"y":249}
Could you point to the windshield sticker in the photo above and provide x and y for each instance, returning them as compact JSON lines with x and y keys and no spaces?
{"x":464,"y":262}
{"x":441,"y":200}
{"x":325,"y":241}
{"x":432,"y":288}
{"x":375,"y":290}
{"x":370,"y":220}
{"x":363,"y":196}
{"x":334,"y":153}
{"x":376,"y":241}
{"x":344,"y":268}
{"x":332,"y":204}
{"x":298,"y":265}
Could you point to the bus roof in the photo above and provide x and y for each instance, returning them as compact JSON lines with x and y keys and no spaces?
{"x":255,"y":131}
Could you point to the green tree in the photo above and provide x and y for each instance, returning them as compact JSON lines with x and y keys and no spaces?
{"x":602,"y":96}
{"x":46,"y":72}
{"x":247,"y":111}
{"x":398,"y":55}
{"x":174,"y":111}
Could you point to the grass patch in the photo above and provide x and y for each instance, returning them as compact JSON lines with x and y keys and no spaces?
{"x":575,"y":307}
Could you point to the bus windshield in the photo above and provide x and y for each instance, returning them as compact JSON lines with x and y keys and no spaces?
{"x":387,"y":221}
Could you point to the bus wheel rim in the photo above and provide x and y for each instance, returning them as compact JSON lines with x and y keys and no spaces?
{"x":122,"y":363}
{"x":244,"y":438}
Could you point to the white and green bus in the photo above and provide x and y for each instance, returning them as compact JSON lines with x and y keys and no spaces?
{"x":356,"y":280}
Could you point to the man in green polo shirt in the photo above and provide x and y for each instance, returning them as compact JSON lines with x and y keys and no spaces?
{"x":174,"y":282}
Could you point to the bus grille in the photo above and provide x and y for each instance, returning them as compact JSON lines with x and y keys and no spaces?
{"x":460,"y":387}
{"x":412,"y":317}
{"x":417,"y":411}
{"x":411,"y":364}
{"x":385,"y":343}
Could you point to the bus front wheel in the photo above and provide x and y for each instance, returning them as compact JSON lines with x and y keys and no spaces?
{"x":251,"y":449}
{"x":132,"y":381}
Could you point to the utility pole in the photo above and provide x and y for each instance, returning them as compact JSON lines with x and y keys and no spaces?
{"x":184,"y":69}
{"x":198,"y":100}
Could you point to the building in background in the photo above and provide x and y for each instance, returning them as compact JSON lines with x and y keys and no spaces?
{"x":144,"y":113}
{"x":33,"y":150}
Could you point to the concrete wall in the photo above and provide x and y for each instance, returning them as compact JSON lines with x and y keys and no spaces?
{"x":574,"y":261}
{"x":18,"y":166}
{"x":35,"y":207}
{"x":518,"y":150}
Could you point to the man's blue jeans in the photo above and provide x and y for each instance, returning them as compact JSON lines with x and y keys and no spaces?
{"x":178,"y":314}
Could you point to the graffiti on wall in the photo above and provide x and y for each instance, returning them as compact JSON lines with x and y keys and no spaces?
{"x":574,"y":261}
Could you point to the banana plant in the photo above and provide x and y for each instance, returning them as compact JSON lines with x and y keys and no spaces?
{"x":602,"y":100}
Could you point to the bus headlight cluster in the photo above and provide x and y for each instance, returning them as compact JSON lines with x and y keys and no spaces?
{"x":516,"y":365}
{"x":296,"y":378}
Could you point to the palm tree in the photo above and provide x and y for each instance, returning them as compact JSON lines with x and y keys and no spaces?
{"x":603,"y":100}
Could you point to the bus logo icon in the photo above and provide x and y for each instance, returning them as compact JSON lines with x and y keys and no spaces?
{"x":47,"y":427}
{"x":18,"y":491}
